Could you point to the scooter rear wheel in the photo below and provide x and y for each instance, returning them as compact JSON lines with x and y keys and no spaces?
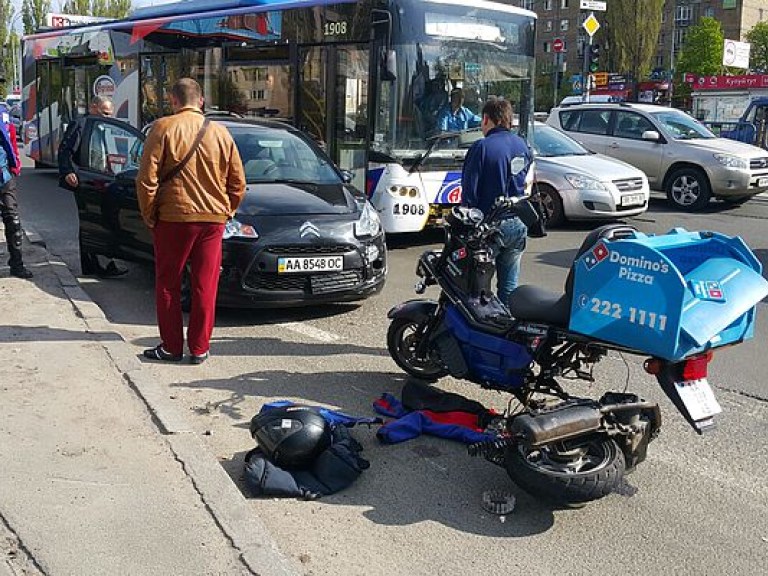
{"x":402,"y":341}
{"x":570,"y":472}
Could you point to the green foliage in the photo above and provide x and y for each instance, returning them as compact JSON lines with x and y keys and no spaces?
{"x":33,"y":14}
{"x":758,"y":54}
{"x":76,"y":7}
{"x":702,"y":52}
{"x":101,"y":8}
{"x":631,"y":29}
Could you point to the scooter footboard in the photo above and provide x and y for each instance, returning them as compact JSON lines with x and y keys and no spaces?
{"x":669,"y":296}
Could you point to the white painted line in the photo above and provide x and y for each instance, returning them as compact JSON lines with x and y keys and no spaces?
{"x":310,"y":331}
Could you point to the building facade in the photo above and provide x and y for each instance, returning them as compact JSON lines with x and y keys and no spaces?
{"x":561,"y":21}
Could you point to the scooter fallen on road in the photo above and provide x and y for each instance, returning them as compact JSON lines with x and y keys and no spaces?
{"x":673,"y":298}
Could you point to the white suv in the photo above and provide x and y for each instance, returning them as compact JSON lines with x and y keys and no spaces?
{"x":679,"y":155}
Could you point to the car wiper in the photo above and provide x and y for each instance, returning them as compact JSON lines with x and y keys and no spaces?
{"x":433,"y":140}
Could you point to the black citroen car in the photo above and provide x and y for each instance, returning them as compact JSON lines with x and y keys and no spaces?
{"x":303,"y":234}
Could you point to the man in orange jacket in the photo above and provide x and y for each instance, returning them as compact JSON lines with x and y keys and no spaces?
{"x":191,"y":180}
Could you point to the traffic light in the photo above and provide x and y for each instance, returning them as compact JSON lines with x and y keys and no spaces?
{"x":594,"y":56}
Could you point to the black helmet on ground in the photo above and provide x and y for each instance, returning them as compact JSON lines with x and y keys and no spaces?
{"x":291,"y":437}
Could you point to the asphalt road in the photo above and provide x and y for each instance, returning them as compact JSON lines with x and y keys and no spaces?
{"x":698,"y":505}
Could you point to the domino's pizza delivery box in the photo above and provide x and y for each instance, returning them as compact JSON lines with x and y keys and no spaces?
{"x":669,"y":296}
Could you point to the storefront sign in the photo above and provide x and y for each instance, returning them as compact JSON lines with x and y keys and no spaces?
{"x":727,"y":82}
{"x":736,"y":54}
{"x":64,"y":20}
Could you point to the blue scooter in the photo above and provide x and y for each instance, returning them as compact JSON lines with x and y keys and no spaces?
{"x":673,"y":298}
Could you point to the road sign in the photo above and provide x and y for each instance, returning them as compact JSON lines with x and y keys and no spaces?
{"x":593,"y":5}
{"x":558,"y":45}
{"x":591,"y":25}
{"x":601,"y":79}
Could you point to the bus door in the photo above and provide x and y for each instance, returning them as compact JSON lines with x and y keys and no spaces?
{"x":333,"y":103}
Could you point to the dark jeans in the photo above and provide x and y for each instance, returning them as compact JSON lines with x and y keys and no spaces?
{"x":10,"y":214}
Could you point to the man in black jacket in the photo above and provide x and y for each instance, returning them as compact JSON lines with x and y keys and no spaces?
{"x":69,"y":153}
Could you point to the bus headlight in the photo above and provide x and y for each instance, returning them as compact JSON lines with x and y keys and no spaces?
{"x":236,"y":229}
{"x":369,"y":223}
{"x":411,"y":191}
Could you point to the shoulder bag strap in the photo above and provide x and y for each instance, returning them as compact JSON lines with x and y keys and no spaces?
{"x":180,"y":166}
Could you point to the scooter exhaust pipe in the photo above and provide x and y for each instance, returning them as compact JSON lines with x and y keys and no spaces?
{"x":556,"y":425}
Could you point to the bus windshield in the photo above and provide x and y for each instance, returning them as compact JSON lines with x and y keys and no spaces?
{"x":449,"y":60}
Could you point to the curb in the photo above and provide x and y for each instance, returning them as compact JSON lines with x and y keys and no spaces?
{"x":223,"y":500}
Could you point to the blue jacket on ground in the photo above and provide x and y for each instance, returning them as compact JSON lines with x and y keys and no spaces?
{"x":455,"y":425}
{"x":488,"y":169}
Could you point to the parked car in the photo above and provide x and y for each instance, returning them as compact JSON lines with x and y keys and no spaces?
{"x":303,"y":234}
{"x":680,"y":156}
{"x":577,"y":184}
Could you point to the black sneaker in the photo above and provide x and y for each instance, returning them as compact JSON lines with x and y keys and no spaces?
{"x":158,"y":353}
{"x":21,"y":271}
{"x":198,"y":358}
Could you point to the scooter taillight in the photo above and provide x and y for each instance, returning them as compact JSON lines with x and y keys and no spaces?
{"x":693,"y":368}
{"x":696,"y":366}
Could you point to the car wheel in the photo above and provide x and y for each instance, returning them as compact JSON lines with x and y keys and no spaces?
{"x":553,"y":206}
{"x":688,"y":189}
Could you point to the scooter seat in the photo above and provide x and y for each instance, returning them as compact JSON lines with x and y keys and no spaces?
{"x":536,"y":304}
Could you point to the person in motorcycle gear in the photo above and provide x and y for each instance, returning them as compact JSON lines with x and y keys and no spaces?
{"x":10,"y":168}
{"x":495,"y":166}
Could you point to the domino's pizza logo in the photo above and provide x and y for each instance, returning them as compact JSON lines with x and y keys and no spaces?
{"x":596,"y":255}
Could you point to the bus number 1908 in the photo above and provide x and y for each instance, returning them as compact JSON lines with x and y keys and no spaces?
{"x":334,"y":28}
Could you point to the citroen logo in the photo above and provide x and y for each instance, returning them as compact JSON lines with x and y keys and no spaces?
{"x":308,"y":229}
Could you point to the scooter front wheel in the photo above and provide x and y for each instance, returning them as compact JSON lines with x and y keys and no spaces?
{"x":571,"y":472}
{"x":403,"y":339}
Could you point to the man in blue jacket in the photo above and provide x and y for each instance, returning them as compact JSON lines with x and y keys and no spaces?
{"x":454,"y":116}
{"x":495,"y":166}
{"x":10,"y":167}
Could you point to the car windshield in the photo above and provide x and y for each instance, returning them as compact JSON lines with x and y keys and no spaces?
{"x":274,"y":155}
{"x":550,"y":142}
{"x":680,"y":126}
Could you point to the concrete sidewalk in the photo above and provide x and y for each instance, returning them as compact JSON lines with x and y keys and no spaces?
{"x":99,"y":474}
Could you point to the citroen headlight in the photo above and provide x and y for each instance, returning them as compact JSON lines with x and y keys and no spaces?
{"x":732,"y":161}
{"x":369,"y":223}
{"x":581,"y":182}
{"x":236,"y":229}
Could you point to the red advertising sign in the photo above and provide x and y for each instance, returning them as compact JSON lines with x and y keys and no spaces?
{"x":558,"y":45}
{"x":727,"y":82}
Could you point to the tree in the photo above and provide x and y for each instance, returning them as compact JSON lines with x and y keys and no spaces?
{"x":702,"y":51}
{"x":33,"y":14}
{"x":758,"y":54}
{"x":101,"y":8}
{"x":632,"y":29}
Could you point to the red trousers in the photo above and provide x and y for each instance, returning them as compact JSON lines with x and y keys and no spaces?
{"x":175,"y":244}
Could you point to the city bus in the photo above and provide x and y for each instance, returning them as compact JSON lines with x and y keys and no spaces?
{"x":366,"y":79}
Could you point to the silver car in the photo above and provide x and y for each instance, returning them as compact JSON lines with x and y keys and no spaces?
{"x":679,"y":155}
{"x":580,"y":185}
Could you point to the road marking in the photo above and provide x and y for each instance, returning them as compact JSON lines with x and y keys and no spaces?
{"x":310,"y":331}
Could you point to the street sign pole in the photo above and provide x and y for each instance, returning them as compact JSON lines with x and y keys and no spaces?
{"x":591,"y":25}
{"x":555,"y":73}
{"x":585,"y":83}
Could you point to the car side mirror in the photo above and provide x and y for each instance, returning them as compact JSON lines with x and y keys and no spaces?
{"x":347,"y":176}
{"x":651,"y":135}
